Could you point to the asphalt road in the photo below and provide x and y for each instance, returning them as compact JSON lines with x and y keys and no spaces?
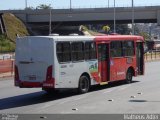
{"x":141,"y":96}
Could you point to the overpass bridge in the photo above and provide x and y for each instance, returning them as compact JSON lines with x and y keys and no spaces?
{"x":149,"y":14}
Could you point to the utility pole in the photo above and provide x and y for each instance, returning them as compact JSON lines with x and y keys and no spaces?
{"x":133,"y":32}
{"x":50,"y":21}
{"x":114,"y":17}
{"x":26,"y":4}
{"x":70,"y":5}
{"x":108,"y":3}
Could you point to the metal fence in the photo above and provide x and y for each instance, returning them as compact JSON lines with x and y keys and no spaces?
{"x":152,"y":55}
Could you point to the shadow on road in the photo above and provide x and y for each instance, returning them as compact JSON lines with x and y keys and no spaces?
{"x":42,"y":97}
{"x":142,"y":101}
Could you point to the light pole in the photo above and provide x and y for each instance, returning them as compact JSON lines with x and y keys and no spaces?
{"x":70,"y":4}
{"x":50,"y":21}
{"x":26,"y":4}
{"x":108,"y":3}
{"x":114,"y":17}
{"x":133,"y":18}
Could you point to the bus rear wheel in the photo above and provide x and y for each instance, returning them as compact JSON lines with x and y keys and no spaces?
{"x":84,"y":85}
{"x":129,"y":76}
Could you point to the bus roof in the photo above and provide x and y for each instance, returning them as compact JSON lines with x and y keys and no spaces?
{"x":61,"y":38}
{"x":119,"y":37}
{"x":85,"y":38}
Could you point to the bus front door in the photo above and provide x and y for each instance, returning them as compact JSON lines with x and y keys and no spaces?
{"x":140,"y":58}
{"x":103,"y":62}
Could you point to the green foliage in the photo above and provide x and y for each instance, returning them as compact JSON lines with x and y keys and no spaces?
{"x":83,"y":28}
{"x":106,"y":28}
{"x":123,"y":29}
{"x":6,"y":45}
{"x":44,"y":6}
{"x":87,"y":32}
{"x":145,"y":35}
{"x":14,"y":26}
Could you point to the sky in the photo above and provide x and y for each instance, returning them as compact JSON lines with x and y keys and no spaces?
{"x":60,"y":4}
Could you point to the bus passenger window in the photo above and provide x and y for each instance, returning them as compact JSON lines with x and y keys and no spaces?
{"x":128,"y":48}
{"x":77,"y":51}
{"x":90,"y":50}
{"x":116,"y":49}
{"x":63,"y":52}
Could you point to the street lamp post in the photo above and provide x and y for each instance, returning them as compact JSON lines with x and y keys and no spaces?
{"x":50,"y":21}
{"x":108,"y":3}
{"x":26,"y":4}
{"x":133,"y":32}
{"x":70,"y":4}
{"x":114,"y":17}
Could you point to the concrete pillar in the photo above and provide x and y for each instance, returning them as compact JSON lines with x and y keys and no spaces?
{"x":158,"y":17}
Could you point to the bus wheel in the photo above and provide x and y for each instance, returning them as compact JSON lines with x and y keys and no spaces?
{"x":129,"y":76}
{"x":84,"y":85}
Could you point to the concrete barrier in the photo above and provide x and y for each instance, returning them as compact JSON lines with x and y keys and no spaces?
{"x":6,"y":66}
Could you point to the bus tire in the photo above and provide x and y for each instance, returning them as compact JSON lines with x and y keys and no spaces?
{"x":84,"y":85}
{"x":129,"y":76}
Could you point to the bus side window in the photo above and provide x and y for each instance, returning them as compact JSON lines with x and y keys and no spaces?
{"x":63,"y":51}
{"x":77,"y":51}
{"x":116,"y":49}
{"x":128,"y":48}
{"x":90,"y":50}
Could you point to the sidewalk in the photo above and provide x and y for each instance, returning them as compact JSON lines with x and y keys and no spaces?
{"x":6,"y":75}
{"x":152,"y":60}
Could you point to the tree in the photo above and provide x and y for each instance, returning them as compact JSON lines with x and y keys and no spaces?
{"x":123,"y":29}
{"x":44,"y":6}
{"x":145,"y":35}
{"x":106,"y":28}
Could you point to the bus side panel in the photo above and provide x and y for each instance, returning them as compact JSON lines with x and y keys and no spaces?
{"x":118,"y":68}
{"x":67,"y":75}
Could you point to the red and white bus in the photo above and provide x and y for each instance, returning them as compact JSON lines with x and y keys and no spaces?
{"x":55,"y":62}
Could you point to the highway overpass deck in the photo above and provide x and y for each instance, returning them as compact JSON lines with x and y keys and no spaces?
{"x":149,"y":14}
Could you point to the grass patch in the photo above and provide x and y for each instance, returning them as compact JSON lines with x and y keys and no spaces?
{"x":6,"y":45}
{"x":14,"y":26}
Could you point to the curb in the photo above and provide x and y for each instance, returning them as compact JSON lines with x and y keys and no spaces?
{"x":155,"y":60}
{"x":6,"y":78}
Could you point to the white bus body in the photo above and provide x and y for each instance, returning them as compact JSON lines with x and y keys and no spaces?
{"x":37,"y":64}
